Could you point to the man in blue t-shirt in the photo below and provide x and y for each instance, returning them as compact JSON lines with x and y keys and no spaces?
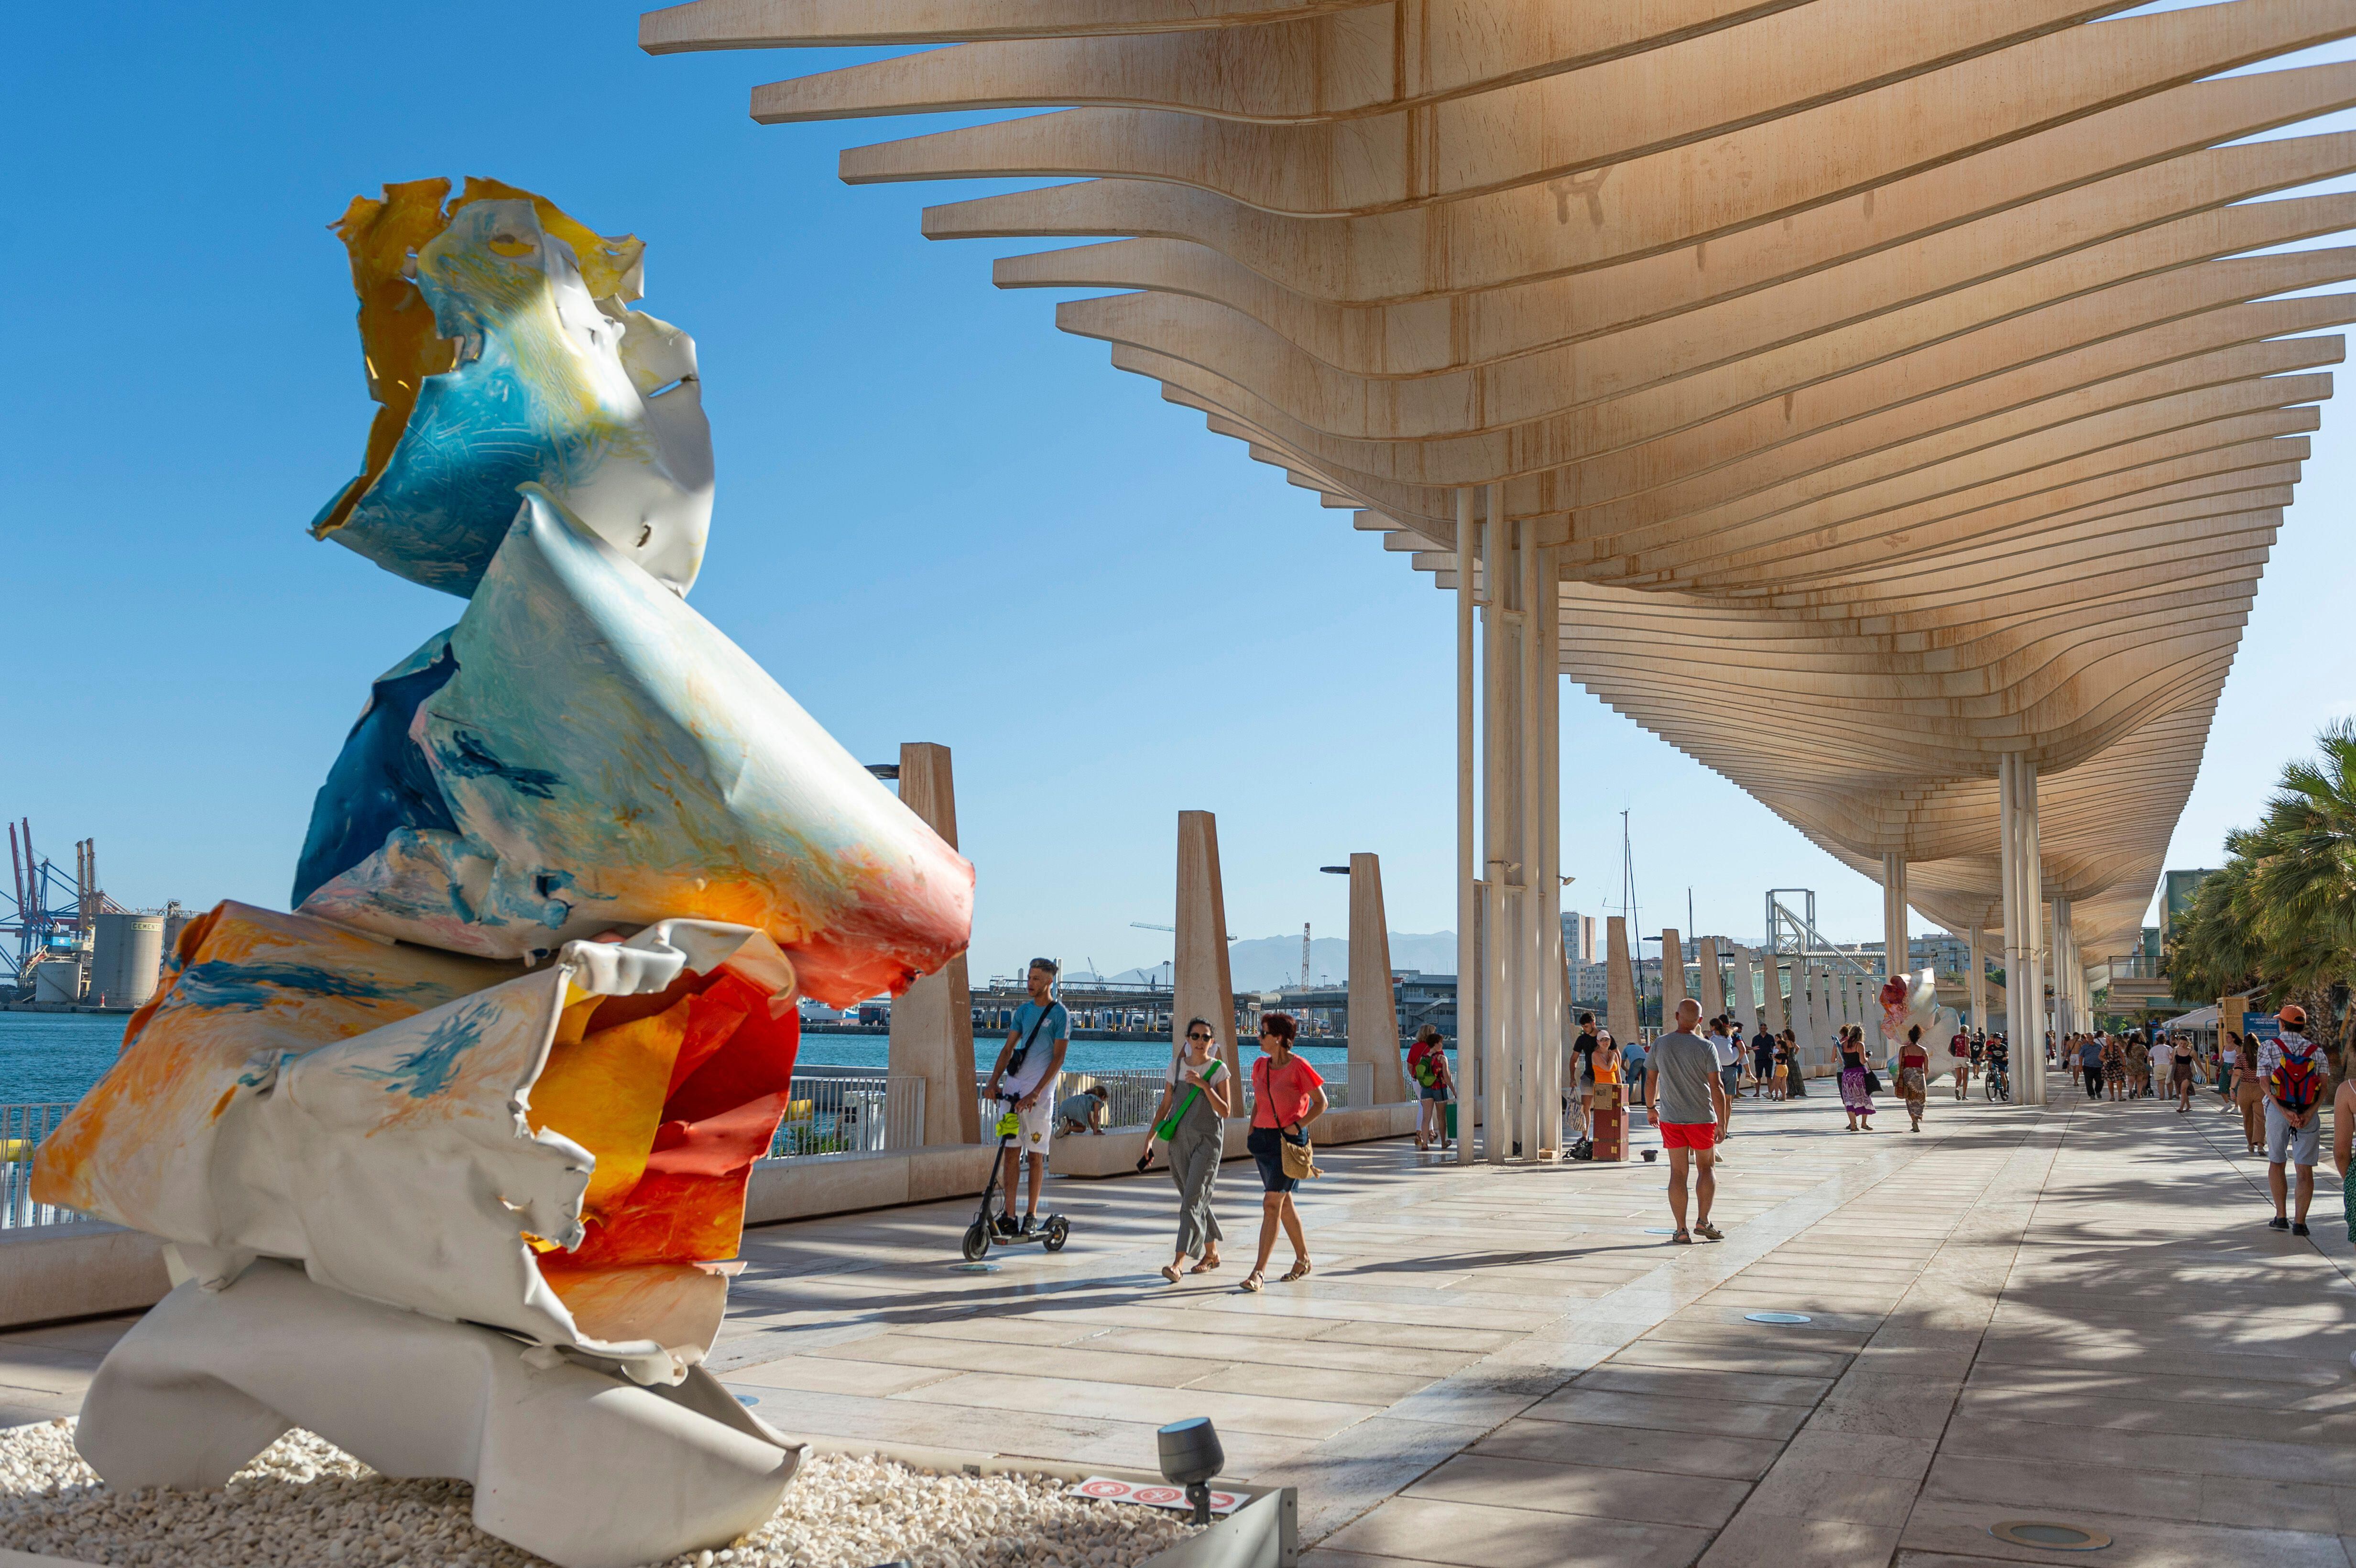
{"x":1029,"y":1066}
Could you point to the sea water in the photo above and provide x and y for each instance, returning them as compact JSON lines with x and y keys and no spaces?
{"x":54,"y":1058}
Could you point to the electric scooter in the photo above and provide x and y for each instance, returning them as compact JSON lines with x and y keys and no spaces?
{"x":1053,"y":1231}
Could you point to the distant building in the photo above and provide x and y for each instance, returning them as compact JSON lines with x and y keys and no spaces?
{"x":1578,"y":937}
{"x":2176,"y":889}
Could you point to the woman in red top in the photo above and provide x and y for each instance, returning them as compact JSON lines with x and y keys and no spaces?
{"x":1287,"y":1096}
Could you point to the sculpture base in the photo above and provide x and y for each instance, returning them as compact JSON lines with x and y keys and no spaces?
{"x":586,"y":1469}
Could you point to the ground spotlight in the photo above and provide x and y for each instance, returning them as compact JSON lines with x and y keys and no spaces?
{"x":1191,"y":1456}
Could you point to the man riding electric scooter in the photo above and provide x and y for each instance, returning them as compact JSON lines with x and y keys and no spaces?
{"x":1028,"y":1067}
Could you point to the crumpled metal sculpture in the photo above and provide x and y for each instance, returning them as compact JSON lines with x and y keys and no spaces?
{"x":501,"y":1078}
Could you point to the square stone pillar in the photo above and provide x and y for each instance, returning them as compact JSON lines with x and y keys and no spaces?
{"x":1673,"y":978}
{"x":1620,"y":980}
{"x":931,"y":1020}
{"x":1713,"y":981}
{"x":1745,"y":1001}
{"x":1373,"y":1008}
{"x":1201,"y":985}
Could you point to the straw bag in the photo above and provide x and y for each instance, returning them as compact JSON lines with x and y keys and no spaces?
{"x":1299,"y":1159}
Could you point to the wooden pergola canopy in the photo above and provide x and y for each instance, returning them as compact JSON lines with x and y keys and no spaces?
{"x":1907,"y":382}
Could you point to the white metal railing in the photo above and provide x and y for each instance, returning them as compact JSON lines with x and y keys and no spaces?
{"x":22,"y":1128}
{"x":1133,"y":1093}
{"x":850,"y":1114}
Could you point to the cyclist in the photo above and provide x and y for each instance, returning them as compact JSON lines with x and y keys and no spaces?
{"x":2000,"y":1083}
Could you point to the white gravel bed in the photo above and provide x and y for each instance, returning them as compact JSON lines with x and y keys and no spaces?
{"x":308,"y":1504}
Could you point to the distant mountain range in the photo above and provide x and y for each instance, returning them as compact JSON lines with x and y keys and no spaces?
{"x":1264,"y":962}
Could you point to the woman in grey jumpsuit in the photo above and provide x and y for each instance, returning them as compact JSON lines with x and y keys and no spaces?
{"x":1196,"y":1142}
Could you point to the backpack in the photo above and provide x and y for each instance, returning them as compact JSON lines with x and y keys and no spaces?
{"x":2295,"y":1080}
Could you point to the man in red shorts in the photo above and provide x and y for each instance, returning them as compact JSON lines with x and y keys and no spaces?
{"x":1689,"y":1105}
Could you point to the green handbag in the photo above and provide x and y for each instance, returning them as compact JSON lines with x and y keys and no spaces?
{"x":1168,"y":1124}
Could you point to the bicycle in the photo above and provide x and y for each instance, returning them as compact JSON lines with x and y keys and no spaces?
{"x":1999,"y":1082}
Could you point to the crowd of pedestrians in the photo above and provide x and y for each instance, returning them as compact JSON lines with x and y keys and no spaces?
{"x":1686,"y":1083}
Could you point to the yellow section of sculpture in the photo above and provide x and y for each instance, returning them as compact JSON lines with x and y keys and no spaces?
{"x":400,"y":346}
{"x":605,"y":1090}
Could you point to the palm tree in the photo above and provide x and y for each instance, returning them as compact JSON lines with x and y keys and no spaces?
{"x":2279,"y":920}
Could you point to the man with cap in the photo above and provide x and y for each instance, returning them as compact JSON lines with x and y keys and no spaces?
{"x":1029,"y":1065}
{"x":2291,"y":1067}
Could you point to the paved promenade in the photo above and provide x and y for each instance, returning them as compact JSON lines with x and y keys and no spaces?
{"x":2075,"y":1314}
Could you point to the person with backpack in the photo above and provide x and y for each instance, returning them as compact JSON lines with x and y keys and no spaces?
{"x":1426,"y":1067}
{"x":1959,"y":1056}
{"x":1029,"y":1065}
{"x":2291,"y":1067}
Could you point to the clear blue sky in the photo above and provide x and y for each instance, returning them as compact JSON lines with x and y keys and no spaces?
{"x":939,"y":518}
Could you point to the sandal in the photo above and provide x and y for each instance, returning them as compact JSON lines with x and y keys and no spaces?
{"x":1708,"y":1233}
{"x":1170,"y":1272}
{"x":1251,"y":1281}
{"x":1210,"y":1261}
{"x":1682,"y":1239}
{"x":1299,"y":1270}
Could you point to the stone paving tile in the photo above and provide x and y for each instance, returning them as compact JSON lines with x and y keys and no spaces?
{"x":1666,"y":1382}
{"x":1724,"y":1418}
{"x":1770,"y":1541}
{"x":1583,"y":1489}
{"x":1068,"y":1361}
{"x":1020,"y":1397}
{"x":1963,"y":1529}
{"x":814,"y":1375}
{"x":1632,"y":1448}
{"x":1474,"y":1536}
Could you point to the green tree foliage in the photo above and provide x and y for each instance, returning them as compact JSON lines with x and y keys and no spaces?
{"x":2278,"y":922}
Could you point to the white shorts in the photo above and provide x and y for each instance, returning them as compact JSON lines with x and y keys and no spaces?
{"x":1038,"y":1123}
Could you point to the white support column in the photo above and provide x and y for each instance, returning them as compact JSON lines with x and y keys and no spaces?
{"x":2065,"y":992}
{"x":1498,"y":672}
{"x":1894,"y":961}
{"x":1545,"y":701}
{"x":1975,"y":981}
{"x":1469,"y":885}
{"x":1770,"y":993}
{"x":1537,"y":1022}
{"x":2024,"y":1000}
{"x":2032,"y":1071}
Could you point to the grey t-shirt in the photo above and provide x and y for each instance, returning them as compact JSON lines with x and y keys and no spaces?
{"x":1686,"y":1066}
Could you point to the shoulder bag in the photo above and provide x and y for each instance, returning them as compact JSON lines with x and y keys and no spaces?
{"x":1300,"y":1158}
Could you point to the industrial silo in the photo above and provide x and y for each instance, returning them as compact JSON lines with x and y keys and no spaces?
{"x":129,"y":958}
{"x":58,"y":981}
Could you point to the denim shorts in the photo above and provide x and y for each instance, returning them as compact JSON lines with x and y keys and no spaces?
{"x":1264,"y":1144}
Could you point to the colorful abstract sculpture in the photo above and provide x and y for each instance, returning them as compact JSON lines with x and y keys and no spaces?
{"x":1912,"y":1001}
{"x":485,"y":1106}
